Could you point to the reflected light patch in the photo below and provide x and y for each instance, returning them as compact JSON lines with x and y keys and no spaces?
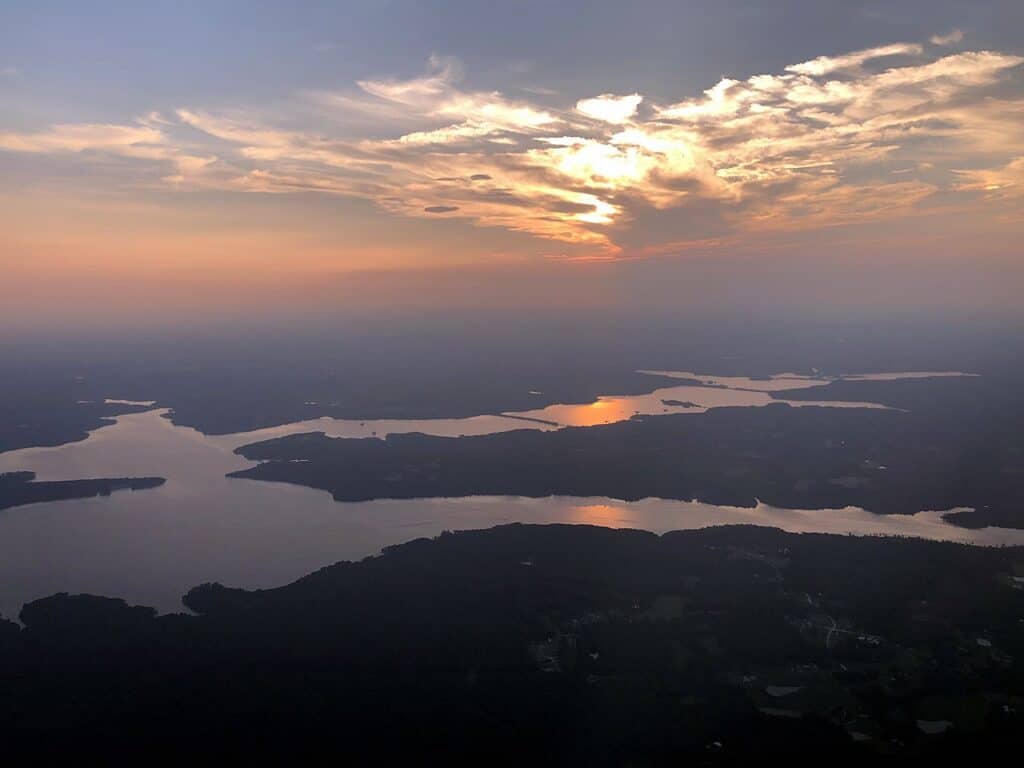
{"x":606,"y":515}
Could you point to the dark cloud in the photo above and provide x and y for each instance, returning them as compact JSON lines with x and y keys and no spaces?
{"x":479,"y":177}
{"x":567,"y":206}
{"x":441,"y":208}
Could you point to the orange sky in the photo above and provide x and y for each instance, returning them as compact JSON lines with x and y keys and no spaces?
{"x":900,"y":152}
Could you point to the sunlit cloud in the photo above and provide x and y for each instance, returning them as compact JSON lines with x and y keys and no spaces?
{"x":1004,"y":181}
{"x":423,"y":90}
{"x":143,"y":140}
{"x":135,"y":140}
{"x":435,"y":95}
{"x":954,"y":37}
{"x":877,"y":133}
{"x":824,"y":65}
{"x":610,"y":108}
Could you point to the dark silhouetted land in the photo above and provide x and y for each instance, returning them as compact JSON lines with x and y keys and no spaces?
{"x":18,"y":488}
{"x":451,"y":365}
{"x":544,"y":644}
{"x":960,"y":443}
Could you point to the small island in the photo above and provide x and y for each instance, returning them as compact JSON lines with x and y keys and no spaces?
{"x":20,"y":488}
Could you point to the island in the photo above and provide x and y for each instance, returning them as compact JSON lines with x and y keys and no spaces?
{"x":19,"y":488}
{"x":942,"y":444}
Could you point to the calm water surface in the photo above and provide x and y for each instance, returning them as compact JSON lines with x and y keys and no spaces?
{"x":151,"y":546}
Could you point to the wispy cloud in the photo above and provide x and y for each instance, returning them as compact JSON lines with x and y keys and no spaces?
{"x":839,"y":139}
{"x":824,"y":65}
{"x":8,"y":71}
{"x":1004,"y":181}
{"x":954,"y":37}
{"x":133,"y":140}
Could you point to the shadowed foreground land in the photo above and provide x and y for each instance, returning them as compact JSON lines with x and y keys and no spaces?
{"x":563,"y":644}
{"x":17,"y":488}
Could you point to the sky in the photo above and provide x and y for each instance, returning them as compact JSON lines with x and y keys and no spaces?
{"x":171,"y":158}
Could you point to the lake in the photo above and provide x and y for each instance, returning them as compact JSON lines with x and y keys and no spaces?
{"x":151,"y":546}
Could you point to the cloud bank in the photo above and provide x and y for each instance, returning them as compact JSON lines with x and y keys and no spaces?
{"x":867,"y":135}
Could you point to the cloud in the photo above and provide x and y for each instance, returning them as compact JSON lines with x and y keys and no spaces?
{"x":133,"y":140}
{"x":1002,"y":182}
{"x":479,"y":115}
{"x":8,"y":71}
{"x":873,"y":134}
{"x":954,"y":36}
{"x":824,"y":65}
{"x":144,"y":142}
{"x":443,"y":72}
{"x":434,"y":96}
{"x":610,"y":108}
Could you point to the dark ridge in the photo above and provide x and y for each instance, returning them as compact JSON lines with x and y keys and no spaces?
{"x":18,"y":488}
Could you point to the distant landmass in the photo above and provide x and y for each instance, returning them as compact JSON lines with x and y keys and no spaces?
{"x":545,"y":644}
{"x":47,"y":418}
{"x":444,"y":368}
{"x":18,"y":488}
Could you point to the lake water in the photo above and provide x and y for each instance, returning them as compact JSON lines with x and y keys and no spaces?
{"x":151,"y":546}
